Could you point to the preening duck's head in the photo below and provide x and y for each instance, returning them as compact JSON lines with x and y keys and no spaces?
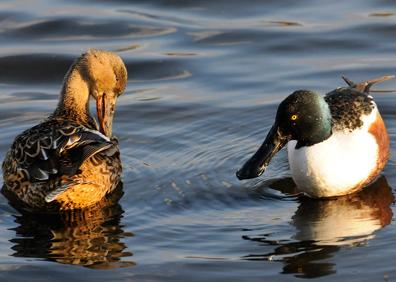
{"x":107,"y":77}
{"x":99,"y":74}
{"x":303,"y":116}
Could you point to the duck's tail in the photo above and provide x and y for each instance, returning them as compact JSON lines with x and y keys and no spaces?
{"x":364,"y":86}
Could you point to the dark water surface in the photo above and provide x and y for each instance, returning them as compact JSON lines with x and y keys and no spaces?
{"x":204,"y":81}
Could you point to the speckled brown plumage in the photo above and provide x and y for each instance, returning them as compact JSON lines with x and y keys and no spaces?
{"x":68,"y":161}
{"x":55,"y":157}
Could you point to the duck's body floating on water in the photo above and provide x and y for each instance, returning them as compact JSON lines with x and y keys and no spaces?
{"x":68,"y":161}
{"x":337,"y":144}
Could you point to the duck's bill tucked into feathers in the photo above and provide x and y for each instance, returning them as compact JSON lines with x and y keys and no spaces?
{"x":69,"y":159}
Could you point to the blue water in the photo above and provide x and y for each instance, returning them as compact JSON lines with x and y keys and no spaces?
{"x":204,"y":81}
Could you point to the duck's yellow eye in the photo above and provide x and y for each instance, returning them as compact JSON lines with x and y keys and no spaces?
{"x":294,"y":117}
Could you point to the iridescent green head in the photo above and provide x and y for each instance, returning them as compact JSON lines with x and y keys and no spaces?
{"x":303,"y":116}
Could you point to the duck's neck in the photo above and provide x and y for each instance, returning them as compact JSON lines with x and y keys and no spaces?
{"x":74,"y":100}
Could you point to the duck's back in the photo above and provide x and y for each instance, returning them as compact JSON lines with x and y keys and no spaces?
{"x":349,"y":108}
{"x":61,"y":164}
{"x":352,"y":156}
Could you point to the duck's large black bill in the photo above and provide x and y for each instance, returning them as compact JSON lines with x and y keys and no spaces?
{"x":257,"y":164}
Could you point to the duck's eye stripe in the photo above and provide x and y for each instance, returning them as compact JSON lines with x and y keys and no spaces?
{"x":294,"y":117}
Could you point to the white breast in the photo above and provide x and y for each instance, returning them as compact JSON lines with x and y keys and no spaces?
{"x":337,"y":165}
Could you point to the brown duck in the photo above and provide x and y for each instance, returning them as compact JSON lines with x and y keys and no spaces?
{"x":69,"y":161}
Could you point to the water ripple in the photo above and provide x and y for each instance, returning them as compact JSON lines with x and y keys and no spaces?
{"x":205,"y":78}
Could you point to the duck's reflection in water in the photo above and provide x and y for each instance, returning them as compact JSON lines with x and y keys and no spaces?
{"x":324,"y":226}
{"x":91,"y":237}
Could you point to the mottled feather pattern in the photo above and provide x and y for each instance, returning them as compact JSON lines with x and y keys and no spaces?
{"x":46,"y":160}
{"x":70,"y":160}
{"x":347,"y":107}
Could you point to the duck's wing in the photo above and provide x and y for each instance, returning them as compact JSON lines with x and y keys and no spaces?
{"x":53,"y":149}
{"x":349,"y":104}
